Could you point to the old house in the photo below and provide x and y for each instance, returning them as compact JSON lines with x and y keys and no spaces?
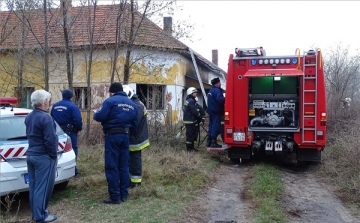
{"x":161,"y":69}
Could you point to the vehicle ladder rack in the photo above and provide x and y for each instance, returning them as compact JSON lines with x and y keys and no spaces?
{"x":309,"y":97}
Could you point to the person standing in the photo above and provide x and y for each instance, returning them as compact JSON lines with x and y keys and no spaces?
{"x":190,"y":119}
{"x":139,"y":139}
{"x":41,"y":156}
{"x":68,"y":116}
{"x":117,"y":115}
{"x":216,"y":102}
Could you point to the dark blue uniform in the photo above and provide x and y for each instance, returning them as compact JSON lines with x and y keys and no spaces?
{"x":117,"y":115}
{"x":216,"y":103}
{"x":68,"y":116}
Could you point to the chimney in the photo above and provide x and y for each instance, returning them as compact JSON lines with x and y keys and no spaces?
{"x":215,"y":57}
{"x":168,"y":25}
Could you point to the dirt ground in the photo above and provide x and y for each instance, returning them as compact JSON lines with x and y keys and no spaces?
{"x":306,"y":199}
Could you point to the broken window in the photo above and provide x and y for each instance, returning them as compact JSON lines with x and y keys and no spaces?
{"x":81,"y":97}
{"x":151,"y":95}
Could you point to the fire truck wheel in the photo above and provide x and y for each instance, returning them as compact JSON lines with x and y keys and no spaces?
{"x":235,"y":160}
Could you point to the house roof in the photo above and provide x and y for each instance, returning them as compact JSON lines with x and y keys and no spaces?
{"x":103,"y":22}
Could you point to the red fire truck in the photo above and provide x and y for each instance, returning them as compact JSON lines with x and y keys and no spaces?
{"x":275,"y":105}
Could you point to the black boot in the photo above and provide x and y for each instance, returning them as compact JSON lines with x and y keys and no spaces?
{"x":208,"y":141}
{"x":214,"y":144}
{"x":189,"y":147}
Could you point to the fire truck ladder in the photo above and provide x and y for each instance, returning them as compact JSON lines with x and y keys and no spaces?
{"x":309,"y":98}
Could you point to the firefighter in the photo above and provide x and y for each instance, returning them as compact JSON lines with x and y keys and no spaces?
{"x":117,"y":115}
{"x":216,"y":102}
{"x":139,"y":139}
{"x":68,"y":116}
{"x":191,"y":118}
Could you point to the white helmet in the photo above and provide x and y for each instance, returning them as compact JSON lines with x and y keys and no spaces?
{"x":191,"y":90}
{"x":128,"y":91}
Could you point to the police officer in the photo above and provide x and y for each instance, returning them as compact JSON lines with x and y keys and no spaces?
{"x":117,"y":115}
{"x":191,"y":118}
{"x":216,"y":102}
{"x":139,"y":139}
{"x":68,"y":116}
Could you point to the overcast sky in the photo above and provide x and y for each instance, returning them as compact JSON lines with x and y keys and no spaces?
{"x":279,"y":26}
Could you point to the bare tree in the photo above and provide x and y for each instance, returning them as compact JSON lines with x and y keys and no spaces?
{"x":342,"y":78}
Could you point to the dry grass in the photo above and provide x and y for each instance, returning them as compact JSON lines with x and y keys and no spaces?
{"x":171,"y":178}
{"x":341,"y":160}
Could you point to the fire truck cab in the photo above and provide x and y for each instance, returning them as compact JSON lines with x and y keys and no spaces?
{"x":275,"y":105}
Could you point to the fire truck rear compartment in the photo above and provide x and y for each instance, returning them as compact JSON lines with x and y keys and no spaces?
{"x":273,"y":113}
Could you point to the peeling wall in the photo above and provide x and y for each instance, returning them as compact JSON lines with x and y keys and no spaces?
{"x":150,"y":67}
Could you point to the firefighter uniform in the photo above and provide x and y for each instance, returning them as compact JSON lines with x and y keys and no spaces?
{"x":117,"y":116}
{"x":191,"y":119}
{"x":139,"y":139}
{"x":68,"y":116}
{"x":216,"y":103}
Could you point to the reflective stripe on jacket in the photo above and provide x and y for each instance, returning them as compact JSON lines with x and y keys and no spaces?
{"x":139,"y":139}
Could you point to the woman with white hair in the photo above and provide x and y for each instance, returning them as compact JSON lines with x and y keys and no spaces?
{"x":41,"y":155}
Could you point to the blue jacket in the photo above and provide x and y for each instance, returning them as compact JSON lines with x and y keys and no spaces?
{"x":117,"y":111}
{"x":41,"y":133}
{"x":66,"y":112}
{"x":216,"y":101}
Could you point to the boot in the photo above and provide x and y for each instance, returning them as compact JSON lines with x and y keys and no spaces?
{"x":214,"y":144}
{"x":208,"y":142}
{"x":191,"y":148}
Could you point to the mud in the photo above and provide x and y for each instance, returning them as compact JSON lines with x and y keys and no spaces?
{"x":306,"y":199}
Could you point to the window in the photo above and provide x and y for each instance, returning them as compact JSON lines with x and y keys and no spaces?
{"x":151,"y":95}
{"x":81,"y":97}
{"x":23,"y":95}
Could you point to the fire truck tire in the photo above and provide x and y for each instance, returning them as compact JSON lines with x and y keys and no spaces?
{"x":61,"y":186}
{"x":235,"y":160}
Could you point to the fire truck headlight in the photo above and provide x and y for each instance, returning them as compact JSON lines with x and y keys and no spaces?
{"x":261,"y":62}
{"x":277,"y":61}
{"x":239,"y":136}
{"x":287,"y":61}
{"x":282,"y":61}
{"x":266,"y":61}
{"x":271,"y":61}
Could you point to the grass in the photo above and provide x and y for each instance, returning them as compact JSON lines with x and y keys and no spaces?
{"x":171,"y":178}
{"x":265,"y":188}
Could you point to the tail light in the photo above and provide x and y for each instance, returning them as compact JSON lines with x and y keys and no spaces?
{"x":320,"y":135}
{"x":323,"y":119}
{"x":68,"y":145}
{"x":226,"y":118}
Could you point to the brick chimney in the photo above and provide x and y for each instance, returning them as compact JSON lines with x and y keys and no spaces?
{"x":215,"y":57}
{"x":168,"y":25}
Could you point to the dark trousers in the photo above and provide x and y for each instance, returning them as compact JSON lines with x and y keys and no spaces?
{"x":73,"y":137}
{"x":135,"y":166}
{"x":191,"y":133}
{"x":214,"y":125}
{"x":117,"y":165}
{"x":41,"y":170}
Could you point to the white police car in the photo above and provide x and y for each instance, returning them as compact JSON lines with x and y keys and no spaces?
{"x":13,"y":146}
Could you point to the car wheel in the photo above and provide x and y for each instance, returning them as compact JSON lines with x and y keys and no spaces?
{"x":62,"y":186}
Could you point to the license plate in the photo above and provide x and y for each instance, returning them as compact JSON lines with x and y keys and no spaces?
{"x":26,"y":178}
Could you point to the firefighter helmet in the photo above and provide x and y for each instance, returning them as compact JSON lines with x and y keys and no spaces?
{"x":128,"y":91}
{"x":191,"y":90}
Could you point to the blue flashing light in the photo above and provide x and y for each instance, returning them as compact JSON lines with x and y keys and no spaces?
{"x":294,"y":60}
{"x":253,"y":62}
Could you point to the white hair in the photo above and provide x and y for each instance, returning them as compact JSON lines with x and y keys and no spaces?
{"x":40,"y":97}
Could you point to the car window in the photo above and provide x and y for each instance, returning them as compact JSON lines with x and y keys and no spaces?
{"x":13,"y":127}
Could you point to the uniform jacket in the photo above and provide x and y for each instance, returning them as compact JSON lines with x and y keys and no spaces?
{"x":139,"y":139}
{"x":216,"y":101}
{"x":191,"y":111}
{"x":117,"y":111}
{"x":66,"y":112}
